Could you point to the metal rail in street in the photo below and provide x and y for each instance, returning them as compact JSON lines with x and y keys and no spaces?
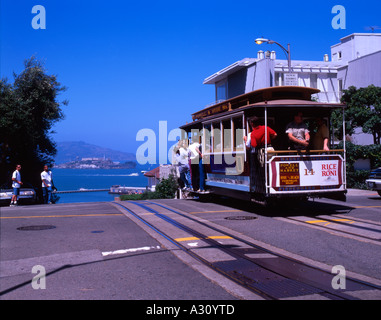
{"x":275,"y":278}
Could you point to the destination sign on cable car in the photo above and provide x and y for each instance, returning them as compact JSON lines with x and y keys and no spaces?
{"x":210,"y":111}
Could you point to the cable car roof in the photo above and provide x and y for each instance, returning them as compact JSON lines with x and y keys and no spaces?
{"x":285,"y":96}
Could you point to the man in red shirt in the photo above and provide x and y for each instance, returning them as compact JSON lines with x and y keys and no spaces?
{"x":256,"y":138}
{"x":256,"y":142}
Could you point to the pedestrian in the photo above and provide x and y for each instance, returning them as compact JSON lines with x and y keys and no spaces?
{"x":16,"y":185}
{"x":298,"y":133}
{"x":47,"y":185}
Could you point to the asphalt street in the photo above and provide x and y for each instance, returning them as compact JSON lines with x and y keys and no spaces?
{"x":279,"y":228}
{"x":96,"y":251}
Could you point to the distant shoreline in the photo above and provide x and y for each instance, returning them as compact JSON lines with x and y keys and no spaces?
{"x":96,"y":163}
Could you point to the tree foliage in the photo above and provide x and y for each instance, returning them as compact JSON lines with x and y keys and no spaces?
{"x":355,"y":152}
{"x":363,"y":111}
{"x":29,"y":108}
{"x":356,"y":178}
{"x":165,"y":189}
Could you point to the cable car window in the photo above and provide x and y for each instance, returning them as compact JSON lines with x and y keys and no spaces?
{"x":227,"y":135}
{"x":207,"y":138}
{"x":238,"y":134}
{"x":216,"y":136}
{"x":195,"y":135}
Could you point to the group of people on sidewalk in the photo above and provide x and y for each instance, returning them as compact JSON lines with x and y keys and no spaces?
{"x":191,"y":167}
{"x":47,"y":185}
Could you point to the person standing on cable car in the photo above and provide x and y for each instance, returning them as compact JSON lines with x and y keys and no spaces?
{"x":197,"y":166}
{"x":256,"y":142}
{"x":256,"y":138}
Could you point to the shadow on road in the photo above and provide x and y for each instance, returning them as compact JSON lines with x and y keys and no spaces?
{"x":284,"y":209}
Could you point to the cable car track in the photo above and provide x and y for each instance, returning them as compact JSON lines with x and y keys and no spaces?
{"x":328,"y":224}
{"x":271,"y":276}
{"x":370,"y":222}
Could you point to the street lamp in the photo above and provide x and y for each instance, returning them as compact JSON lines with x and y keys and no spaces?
{"x":286,"y":51}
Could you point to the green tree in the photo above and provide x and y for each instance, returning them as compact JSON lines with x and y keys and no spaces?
{"x":363,"y":110}
{"x":29,"y":108}
{"x":166,"y":188}
{"x":356,"y":178}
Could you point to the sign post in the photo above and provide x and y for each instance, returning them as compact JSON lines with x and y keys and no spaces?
{"x":291,"y":79}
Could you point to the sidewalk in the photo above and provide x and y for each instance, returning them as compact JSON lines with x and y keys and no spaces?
{"x":360,"y":192}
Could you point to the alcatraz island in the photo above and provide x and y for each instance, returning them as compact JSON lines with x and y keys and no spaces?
{"x":96,"y":163}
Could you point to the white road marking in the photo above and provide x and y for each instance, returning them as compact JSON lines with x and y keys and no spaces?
{"x":192,"y":244}
{"x":123,"y":251}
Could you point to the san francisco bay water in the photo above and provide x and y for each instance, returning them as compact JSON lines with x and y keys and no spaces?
{"x":75,"y":179}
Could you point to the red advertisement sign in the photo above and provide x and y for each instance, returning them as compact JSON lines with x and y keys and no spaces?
{"x":289,"y":174}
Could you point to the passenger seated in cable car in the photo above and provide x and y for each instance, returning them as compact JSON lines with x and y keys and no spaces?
{"x":321,"y":137}
{"x":298,"y":133}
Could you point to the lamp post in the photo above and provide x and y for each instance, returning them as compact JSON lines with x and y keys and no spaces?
{"x":286,"y":51}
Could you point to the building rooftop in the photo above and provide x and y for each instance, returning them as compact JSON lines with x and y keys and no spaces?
{"x":351,"y":36}
{"x":223,"y":73}
{"x":363,"y":44}
{"x":153,"y":173}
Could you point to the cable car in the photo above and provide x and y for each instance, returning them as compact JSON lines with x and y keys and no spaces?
{"x":273,"y":172}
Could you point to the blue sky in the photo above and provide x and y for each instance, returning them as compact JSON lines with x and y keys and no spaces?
{"x":130,"y":64}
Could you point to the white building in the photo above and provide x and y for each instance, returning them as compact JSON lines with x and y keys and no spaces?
{"x":360,"y":56}
{"x":355,"y":61}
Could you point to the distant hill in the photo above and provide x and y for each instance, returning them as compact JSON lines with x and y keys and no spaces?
{"x":76,"y":150}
